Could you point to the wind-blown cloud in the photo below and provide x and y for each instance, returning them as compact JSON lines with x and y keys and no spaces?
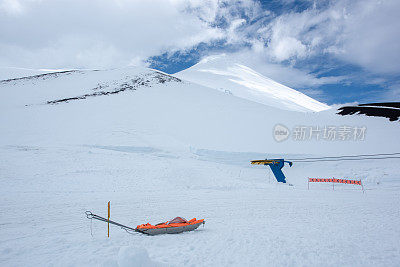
{"x":365,"y":33}
{"x":79,"y":33}
{"x":371,"y":36}
{"x":11,"y":7}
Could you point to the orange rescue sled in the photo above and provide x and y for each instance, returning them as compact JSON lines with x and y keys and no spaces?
{"x":175,"y":226}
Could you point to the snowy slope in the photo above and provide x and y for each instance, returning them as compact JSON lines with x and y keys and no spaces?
{"x":159,"y":147}
{"x":12,"y":73}
{"x":224,"y":74}
{"x":92,"y":105}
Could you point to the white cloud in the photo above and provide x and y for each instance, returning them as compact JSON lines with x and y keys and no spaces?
{"x":287,"y":47}
{"x":292,"y":35}
{"x":11,"y":7}
{"x":82,"y":33}
{"x":371,"y":36}
{"x":364,"y":33}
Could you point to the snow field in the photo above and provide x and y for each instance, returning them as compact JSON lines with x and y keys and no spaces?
{"x":249,"y":221}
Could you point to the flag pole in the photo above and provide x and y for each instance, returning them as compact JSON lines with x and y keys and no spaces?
{"x":108,"y":220}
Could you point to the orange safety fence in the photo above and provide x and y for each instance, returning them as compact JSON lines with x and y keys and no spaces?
{"x":334,"y":180}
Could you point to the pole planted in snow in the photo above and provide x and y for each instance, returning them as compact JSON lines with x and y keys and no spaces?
{"x":108,"y":220}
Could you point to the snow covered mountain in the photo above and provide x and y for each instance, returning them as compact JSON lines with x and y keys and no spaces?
{"x":96,"y":105}
{"x":158,"y":147}
{"x":221,"y":73}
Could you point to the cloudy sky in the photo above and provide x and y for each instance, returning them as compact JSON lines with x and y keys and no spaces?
{"x":335,"y":51}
